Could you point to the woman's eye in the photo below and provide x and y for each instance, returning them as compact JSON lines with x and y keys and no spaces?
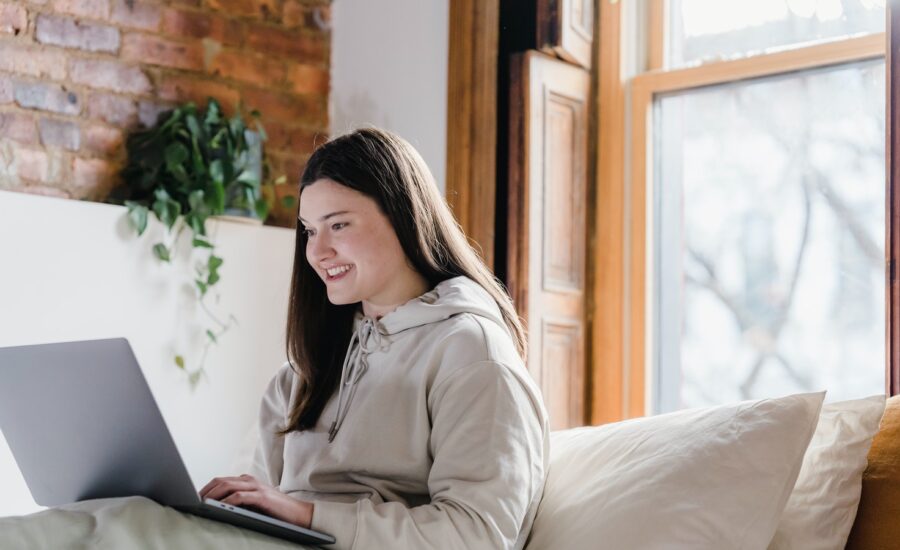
{"x":338,"y":226}
{"x":309,"y":232}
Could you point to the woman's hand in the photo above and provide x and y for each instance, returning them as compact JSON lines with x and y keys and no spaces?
{"x":248,"y":492}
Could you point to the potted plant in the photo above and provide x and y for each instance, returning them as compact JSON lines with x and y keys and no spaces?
{"x":195,"y":164}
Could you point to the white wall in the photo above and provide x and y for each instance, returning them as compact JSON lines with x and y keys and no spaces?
{"x":389,"y":69}
{"x":73,"y":270}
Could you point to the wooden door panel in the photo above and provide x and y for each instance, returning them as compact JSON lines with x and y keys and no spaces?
{"x":566,"y":28}
{"x":547,"y":227}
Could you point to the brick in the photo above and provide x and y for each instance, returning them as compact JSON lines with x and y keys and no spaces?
{"x":148,"y":112}
{"x":190,"y":24}
{"x":292,"y":140}
{"x":32,"y":164}
{"x":308,"y":79}
{"x":92,"y":9}
{"x":102,"y":139}
{"x":13,"y":19}
{"x":115,"y":109}
{"x":145,"y":48}
{"x":290,"y":166}
{"x":27,"y":60}
{"x":46,"y":97}
{"x":293,"y":44}
{"x":294,"y":110}
{"x":253,"y":9}
{"x":253,"y":69}
{"x":298,"y":14}
{"x":60,"y":133}
{"x":46,"y":191}
{"x":136,"y":14}
{"x":188,"y":88}
{"x":6,"y":90}
{"x":69,"y":33}
{"x":19,"y":127}
{"x":91,"y":177}
{"x":109,"y":75}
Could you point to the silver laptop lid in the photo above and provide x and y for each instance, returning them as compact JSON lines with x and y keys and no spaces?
{"x":82,"y":424}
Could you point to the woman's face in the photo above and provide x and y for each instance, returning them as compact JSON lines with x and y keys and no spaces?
{"x":353,"y":247}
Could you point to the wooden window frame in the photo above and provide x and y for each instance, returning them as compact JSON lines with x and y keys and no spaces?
{"x":622,"y":306}
{"x":471,"y":187}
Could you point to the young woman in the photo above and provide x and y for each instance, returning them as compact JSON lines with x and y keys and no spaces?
{"x":405,"y":417}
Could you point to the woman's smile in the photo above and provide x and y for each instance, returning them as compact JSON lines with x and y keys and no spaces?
{"x":337,"y":273}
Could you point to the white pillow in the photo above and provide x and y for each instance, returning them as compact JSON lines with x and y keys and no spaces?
{"x":701,"y":479}
{"x":821,"y":509}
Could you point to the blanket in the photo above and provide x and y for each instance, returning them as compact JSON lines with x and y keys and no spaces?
{"x":128,"y":523}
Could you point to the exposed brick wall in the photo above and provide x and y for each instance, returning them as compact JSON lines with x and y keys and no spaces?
{"x":77,"y":75}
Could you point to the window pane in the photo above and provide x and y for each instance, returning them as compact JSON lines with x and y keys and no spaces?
{"x":769,"y":239}
{"x":706,"y":30}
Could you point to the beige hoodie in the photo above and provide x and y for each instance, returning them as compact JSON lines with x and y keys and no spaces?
{"x":442,"y":440}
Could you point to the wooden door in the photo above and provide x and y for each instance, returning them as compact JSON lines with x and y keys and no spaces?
{"x":566,"y":28}
{"x":548,"y":197}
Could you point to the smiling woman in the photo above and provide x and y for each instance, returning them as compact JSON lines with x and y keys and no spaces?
{"x":404,"y":417}
{"x":353,"y":248}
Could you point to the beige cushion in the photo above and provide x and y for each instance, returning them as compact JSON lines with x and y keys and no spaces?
{"x":701,"y":479}
{"x":877,"y":525}
{"x":820,"y":511}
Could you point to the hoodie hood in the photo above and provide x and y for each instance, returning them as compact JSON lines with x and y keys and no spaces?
{"x":448,"y":298}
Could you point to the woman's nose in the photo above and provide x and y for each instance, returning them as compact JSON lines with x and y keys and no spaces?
{"x":320,"y":248}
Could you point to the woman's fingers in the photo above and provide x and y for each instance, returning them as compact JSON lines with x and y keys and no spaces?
{"x":222,"y":487}
{"x":219,"y":480}
{"x":251,"y":498}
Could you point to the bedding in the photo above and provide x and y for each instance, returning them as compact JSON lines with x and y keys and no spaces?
{"x":701,"y":479}
{"x":128,"y":523}
{"x":822,"y":507}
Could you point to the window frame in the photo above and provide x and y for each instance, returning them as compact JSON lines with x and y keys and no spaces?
{"x":625,"y":175}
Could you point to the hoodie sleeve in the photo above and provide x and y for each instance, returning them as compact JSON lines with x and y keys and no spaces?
{"x":268,"y":460}
{"x":487,"y":440}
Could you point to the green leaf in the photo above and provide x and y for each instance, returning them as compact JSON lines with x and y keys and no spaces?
{"x":216,"y":171}
{"x":214,"y":262}
{"x":196,"y":202}
{"x":250,"y":177}
{"x":260,"y":129}
{"x":137,"y":216}
{"x":194,"y":126}
{"x":202,"y":287}
{"x":175,"y":154}
{"x":213,"y":111}
{"x":166,"y":209}
{"x":288,"y":201}
{"x":216,"y":198}
{"x":197,"y":221}
{"x":212,"y":336}
{"x":161,"y":252}
{"x":201,"y":243}
{"x":213,"y":265}
{"x":179,"y":360}
{"x":194,"y":378}
{"x":262,"y":209}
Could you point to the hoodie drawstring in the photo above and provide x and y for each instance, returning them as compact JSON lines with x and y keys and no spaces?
{"x":366,"y":339}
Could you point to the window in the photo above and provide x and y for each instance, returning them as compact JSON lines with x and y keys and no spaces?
{"x":755,"y":203}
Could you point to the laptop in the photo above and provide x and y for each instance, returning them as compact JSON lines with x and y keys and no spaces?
{"x":82,"y":424}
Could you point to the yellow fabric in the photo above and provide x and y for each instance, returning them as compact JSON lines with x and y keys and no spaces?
{"x":876,"y":526}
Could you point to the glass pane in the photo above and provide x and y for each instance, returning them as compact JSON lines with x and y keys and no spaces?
{"x":707,"y":30}
{"x":769,"y":239}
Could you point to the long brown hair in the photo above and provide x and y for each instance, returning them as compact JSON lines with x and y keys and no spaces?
{"x":386,"y":168}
